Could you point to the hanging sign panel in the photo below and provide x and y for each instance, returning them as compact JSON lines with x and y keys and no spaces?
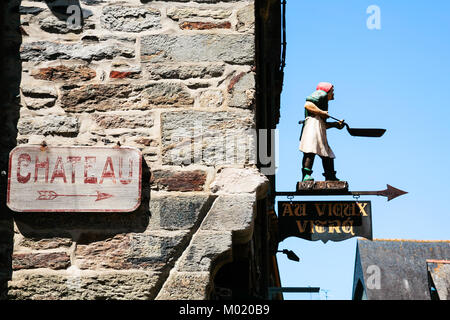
{"x":325,"y":220}
{"x":74,"y":179}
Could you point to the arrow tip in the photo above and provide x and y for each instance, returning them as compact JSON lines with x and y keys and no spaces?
{"x":392,"y":193}
{"x":103,"y":196}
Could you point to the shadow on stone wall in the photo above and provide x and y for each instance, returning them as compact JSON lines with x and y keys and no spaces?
{"x":66,"y":11}
{"x":10,"y":75}
{"x":87,"y":227}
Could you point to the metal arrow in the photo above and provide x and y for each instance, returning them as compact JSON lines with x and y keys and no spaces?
{"x":390,"y":193}
{"x":51,"y":195}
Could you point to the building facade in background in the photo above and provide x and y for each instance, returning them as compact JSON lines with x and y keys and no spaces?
{"x":402,"y":270}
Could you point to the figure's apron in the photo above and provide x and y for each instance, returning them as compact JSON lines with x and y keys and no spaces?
{"x":314,"y":137}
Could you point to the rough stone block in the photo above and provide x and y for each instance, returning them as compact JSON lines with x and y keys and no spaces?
{"x":96,"y":97}
{"x":209,"y":138}
{"x":130,"y":19}
{"x":211,"y":99}
{"x":178,"y":212}
{"x":114,"y":121}
{"x":183,"y":72}
{"x":230,"y":48}
{"x":35,"y":91}
{"x":235,"y":214}
{"x":239,"y":181}
{"x":206,"y":250}
{"x":149,"y":251}
{"x":107,"y":97}
{"x":49,"y":125}
{"x":242,"y":89}
{"x":168,"y":94}
{"x":246,"y":19}
{"x":47,"y":50}
{"x":134,"y":285}
{"x":37,"y":97}
{"x":52,"y":24}
{"x":186,"y":286}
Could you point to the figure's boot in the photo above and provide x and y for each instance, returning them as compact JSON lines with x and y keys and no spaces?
{"x":308,"y":162}
{"x":328,"y":167}
{"x":307,"y":175}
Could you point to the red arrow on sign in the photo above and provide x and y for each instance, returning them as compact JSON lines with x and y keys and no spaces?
{"x":51,"y":195}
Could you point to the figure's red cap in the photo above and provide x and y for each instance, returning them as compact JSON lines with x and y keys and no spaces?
{"x":325,"y":86}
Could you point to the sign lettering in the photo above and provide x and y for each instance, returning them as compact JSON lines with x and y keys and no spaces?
{"x":325,"y":220}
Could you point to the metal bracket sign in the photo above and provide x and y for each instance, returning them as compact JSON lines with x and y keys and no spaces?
{"x":74,"y":179}
{"x":325,"y":220}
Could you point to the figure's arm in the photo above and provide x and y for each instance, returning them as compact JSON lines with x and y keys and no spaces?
{"x":339,"y":125}
{"x":313,"y":109}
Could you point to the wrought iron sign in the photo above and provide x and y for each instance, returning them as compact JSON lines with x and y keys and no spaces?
{"x":325,"y":220}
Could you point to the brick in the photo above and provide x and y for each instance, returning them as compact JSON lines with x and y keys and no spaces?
{"x":188,"y":25}
{"x":179,"y":180}
{"x":177,"y":13}
{"x":42,"y":244}
{"x":64,"y":73}
{"x":122,"y":74}
{"x":53,"y":260}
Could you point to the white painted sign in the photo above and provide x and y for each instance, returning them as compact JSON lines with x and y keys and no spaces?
{"x":74,"y":179}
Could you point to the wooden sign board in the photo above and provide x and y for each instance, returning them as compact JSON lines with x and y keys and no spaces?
{"x":74,"y":179}
{"x":325,"y":220}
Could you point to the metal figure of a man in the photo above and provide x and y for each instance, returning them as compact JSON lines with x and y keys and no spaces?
{"x":313,"y":139}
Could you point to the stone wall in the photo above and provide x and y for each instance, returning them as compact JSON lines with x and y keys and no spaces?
{"x":175,"y":79}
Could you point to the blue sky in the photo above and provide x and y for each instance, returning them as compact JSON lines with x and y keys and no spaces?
{"x":397,"y":78}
